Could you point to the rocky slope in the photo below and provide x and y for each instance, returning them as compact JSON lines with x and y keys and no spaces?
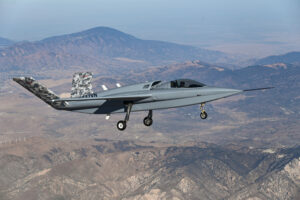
{"x":102,"y":169}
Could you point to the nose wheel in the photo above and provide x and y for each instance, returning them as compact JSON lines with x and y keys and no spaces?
{"x":203,"y":114}
{"x":148,"y":120}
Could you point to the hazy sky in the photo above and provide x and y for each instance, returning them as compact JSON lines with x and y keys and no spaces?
{"x":228,"y":25}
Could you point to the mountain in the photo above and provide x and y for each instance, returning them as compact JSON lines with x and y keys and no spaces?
{"x":5,"y":42}
{"x":98,"y":46}
{"x":102,"y":169}
{"x":289,"y":58}
{"x":196,"y":69}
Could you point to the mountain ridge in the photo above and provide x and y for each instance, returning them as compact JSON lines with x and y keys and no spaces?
{"x":98,"y":46}
{"x":4,"y":42}
{"x":288,"y":58}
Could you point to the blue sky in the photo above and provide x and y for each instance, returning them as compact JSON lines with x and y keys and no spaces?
{"x":231,"y":25}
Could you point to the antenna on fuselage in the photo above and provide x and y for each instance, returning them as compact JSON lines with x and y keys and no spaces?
{"x":104,"y":87}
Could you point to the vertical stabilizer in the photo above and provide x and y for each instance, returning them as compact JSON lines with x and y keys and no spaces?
{"x":81,"y":84}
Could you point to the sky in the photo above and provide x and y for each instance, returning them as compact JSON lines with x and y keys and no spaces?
{"x":250,"y":27}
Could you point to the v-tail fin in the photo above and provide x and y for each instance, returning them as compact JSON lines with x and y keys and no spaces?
{"x":81,"y":84}
{"x":38,"y":90}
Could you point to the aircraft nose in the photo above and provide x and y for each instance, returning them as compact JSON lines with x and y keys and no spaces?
{"x":227,"y":90}
{"x":230,"y":90}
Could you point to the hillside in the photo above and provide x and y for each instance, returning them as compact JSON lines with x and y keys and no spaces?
{"x":5,"y":42}
{"x":96,"y":47}
{"x":103,"y":169}
{"x":288,"y":58}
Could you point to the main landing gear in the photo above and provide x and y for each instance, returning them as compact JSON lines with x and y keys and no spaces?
{"x":121,"y":125}
{"x":148,"y":120}
{"x":203,"y":114}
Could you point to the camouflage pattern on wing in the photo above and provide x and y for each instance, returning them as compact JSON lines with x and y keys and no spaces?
{"x":37,"y":89}
{"x":81,"y":84}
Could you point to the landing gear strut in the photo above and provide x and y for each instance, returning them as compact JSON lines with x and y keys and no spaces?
{"x":148,"y":120}
{"x":203,"y":114}
{"x":121,"y":125}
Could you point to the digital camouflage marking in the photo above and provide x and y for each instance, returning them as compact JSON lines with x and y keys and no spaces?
{"x":81,"y":84}
{"x":38,"y":90}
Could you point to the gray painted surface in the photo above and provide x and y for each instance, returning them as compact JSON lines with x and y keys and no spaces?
{"x":143,"y":97}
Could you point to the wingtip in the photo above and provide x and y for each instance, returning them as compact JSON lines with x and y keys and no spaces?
{"x":22,"y":78}
{"x":18,"y":78}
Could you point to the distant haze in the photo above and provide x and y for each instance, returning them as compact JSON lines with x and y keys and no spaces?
{"x":250,"y":27}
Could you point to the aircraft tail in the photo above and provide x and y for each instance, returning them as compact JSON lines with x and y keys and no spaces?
{"x":38,"y":90}
{"x":81,"y":84}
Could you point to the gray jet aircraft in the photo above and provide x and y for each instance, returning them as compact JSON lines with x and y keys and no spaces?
{"x":147,"y":96}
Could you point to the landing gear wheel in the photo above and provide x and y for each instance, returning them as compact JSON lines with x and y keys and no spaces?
{"x":121,"y":125}
{"x":148,"y":121}
{"x":203,"y":115}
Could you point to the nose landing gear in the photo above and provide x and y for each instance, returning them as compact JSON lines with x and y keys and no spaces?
{"x":203,"y":114}
{"x":148,"y":120}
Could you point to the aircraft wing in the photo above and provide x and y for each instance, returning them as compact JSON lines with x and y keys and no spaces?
{"x":132,"y":97}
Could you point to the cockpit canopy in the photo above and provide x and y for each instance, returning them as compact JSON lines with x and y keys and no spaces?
{"x":185,"y":83}
{"x":179,"y":83}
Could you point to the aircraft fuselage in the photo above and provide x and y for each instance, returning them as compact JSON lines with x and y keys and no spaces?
{"x":140,"y":97}
{"x":160,"y":98}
